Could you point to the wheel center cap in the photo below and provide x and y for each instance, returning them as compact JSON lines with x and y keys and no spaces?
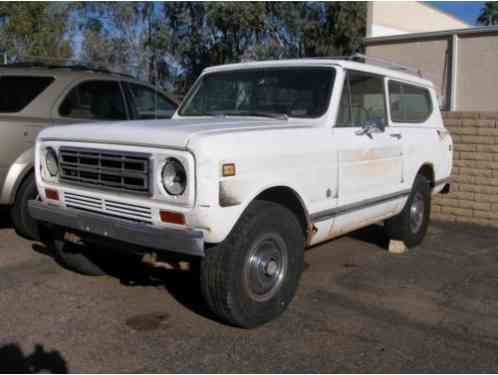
{"x":271,"y":268}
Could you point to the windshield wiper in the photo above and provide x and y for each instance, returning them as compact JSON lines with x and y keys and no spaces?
{"x":280,"y":116}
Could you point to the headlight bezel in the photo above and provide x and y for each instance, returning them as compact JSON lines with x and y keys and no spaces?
{"x":174,"y":164}
{"x":50,"y":152}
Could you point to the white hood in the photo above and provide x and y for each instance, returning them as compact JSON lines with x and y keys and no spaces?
{"x":158,"y":133}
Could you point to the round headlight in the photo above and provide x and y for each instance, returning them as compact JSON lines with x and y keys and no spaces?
{"x":174,"y":177}
{"x":51,"y":162}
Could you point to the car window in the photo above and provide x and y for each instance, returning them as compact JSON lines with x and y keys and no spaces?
{"x":409,"y":103}
{"x":295,"y":92}
{"x":94,"y":100}
{"x":16,"y":92}
{"x":150,"y":104}
{"x":362,"y":100}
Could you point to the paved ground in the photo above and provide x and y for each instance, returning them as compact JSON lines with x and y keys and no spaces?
{"x":358,"y":309}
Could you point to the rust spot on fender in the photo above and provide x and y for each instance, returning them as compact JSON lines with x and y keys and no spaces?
{"x":312,"y":230}
{"x":227,"y":195}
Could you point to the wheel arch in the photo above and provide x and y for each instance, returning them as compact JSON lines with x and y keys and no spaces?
{"x":427,"y":170}
{"x":17,"y":173}
{"x":290,"y":199}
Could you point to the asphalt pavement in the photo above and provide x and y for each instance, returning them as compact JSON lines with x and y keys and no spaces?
{"x":358,"y":309}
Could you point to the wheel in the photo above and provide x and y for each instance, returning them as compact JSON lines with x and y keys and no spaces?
{"x":252,"y":276}
{"x":410,"y":226}
{"x":23,"y":223}
{"x":75,"y":257}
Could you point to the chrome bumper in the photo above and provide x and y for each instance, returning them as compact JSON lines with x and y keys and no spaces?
{"x":162,"y":239}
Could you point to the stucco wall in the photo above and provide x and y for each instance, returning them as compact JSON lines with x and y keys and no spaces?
{"x":477,"y":78}
{"x":474,"y":195}
{"x":476,"y":61}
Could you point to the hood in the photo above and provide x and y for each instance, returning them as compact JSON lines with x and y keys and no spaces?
{"x":159,"y":133}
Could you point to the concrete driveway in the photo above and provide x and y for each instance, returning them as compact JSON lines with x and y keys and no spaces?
{"x":358,"y":309}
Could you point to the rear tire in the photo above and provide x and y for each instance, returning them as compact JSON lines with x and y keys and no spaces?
{"x":252,"y":276}
{"x":75,"y":257}
{"x":23,"y":223}
{"x":410,"y":226}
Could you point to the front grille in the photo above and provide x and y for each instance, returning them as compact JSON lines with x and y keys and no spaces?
{"x":109,"y":207}
{"x":116,"y":170}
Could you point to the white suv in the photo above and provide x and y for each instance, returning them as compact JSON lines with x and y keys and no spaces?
{"x":261,"y":161}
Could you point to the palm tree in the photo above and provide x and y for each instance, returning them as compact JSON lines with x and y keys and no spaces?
{"x":489,"y":14}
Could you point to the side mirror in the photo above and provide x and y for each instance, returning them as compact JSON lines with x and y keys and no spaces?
{"x":371,"y":126}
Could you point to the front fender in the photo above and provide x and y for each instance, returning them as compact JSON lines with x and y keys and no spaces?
{"x":16,"y":174}
{"x":217,"y":221}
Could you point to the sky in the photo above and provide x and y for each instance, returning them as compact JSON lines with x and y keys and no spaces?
{"x":465,"y":10}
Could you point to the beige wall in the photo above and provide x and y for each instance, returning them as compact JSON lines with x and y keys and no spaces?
{"x":430,"y":56}
{"x":398,"y":17}
{"x":474,"y":188}
{"x":477,"y":78}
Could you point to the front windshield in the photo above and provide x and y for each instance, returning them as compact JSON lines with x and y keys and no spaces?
{"x":294,"y":92}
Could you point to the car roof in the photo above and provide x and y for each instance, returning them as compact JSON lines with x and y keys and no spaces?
{"x":346,"y":64}
{"x":60,"y":72}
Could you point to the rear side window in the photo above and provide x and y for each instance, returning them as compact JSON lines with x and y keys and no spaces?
{"x":94,"y":100}
{"x":16,"y":92}
{"x":409,"y":103}
{"x":149,"y":104}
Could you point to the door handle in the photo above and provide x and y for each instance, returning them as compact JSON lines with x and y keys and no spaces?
{"x":396,"y":135}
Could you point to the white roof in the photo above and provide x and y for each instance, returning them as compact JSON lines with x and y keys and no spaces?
{"x":347,"y":64}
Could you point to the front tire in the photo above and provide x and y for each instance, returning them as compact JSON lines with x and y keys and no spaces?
{"x":410,"y":226}
{"x":252,"y":276}
{"x":23,"y":223}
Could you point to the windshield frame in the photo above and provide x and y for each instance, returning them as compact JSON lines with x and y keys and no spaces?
{"x":194,"y":89}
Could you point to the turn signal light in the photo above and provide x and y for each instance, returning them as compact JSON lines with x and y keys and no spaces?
{"x":52,"y":194}
{"x":229,"y":170}
{"x":172,"y":217}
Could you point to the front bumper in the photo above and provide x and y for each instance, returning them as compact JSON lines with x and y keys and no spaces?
{"x":189,"y":242}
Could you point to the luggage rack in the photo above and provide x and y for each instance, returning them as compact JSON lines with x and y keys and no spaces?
{"x":386,"y":63}
{"x":49,"y":63}
{"x":359,"y":57}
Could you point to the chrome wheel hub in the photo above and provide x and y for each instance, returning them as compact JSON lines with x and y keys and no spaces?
{"x":266,"y":267}
{"x":417,"y":209}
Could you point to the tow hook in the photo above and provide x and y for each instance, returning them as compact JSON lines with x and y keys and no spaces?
{"x":151,"y":259}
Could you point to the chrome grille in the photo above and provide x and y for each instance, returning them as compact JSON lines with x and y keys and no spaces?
{"x":109,"y":207}
{"x":114,"y":170}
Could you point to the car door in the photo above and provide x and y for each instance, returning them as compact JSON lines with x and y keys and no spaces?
{"x":147,"y":103}
{"x":370,"y":160}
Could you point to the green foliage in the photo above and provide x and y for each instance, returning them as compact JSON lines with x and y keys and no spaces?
{"x":489,"y":14}
{"x":35,"y":29}
{"x":171,"y":43}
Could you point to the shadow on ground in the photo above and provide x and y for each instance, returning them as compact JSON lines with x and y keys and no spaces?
{"x":373,"y":235}
{"x":13,"y":360}
{"x":184,"y":285}
{"x":5,"y":218}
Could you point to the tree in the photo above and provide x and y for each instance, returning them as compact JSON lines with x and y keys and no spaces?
{"x":489,"y":14}
{"x":38,"y":29}
{"x":125,"y":36}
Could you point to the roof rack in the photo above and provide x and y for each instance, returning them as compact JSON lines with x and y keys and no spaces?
{"x":49,"y":63}
{"x":385,"y":63}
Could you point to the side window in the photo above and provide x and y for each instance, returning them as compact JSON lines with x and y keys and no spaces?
{"x":94,"y":100}
{"x":363,"y":100}
{"x":17,"y":92}
{"x":409,"y":103}
{"x":150,"y":104}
